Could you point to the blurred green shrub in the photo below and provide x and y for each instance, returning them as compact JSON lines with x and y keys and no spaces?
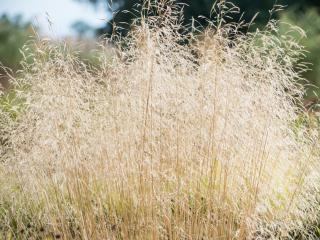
{"x":309,"y":21}
{"x":14,"y":33}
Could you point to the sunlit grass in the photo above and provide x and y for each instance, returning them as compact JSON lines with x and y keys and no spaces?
{"x":202,"y":140}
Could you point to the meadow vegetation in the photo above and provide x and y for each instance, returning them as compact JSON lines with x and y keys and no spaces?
{"x":201,"y":140}
{"x":310,"y":21}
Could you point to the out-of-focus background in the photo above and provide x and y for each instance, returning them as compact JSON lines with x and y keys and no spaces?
{"x":81,"y":22}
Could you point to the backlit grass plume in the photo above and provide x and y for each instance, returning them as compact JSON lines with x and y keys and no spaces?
{"x":178,"y":136}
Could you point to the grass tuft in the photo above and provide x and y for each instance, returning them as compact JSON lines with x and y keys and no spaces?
{"x":200,"y":140}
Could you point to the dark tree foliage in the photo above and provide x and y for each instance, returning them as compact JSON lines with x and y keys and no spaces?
{"x":14,"y":32}
{"x":303,"y":13}
{"x":195,"y":8}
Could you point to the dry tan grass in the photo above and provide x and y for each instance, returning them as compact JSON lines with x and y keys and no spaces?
{"x":166,"y":141}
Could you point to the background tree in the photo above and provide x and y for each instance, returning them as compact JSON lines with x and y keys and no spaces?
{"x":303,"y":13}
{"x":309,"y":20}
{"x":81,"y":28}
{"x":196,"y":8}
{"x":14,"y":33}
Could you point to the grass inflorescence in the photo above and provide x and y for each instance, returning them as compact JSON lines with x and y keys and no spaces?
{"x":178,"y":136}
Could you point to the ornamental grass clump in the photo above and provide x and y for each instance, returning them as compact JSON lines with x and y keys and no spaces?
{"x":178,"y":136}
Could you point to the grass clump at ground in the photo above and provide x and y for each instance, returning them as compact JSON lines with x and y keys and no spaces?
{"x":167,"y":141}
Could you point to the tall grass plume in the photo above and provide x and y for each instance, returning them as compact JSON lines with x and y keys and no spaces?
{"x":178,"y":136}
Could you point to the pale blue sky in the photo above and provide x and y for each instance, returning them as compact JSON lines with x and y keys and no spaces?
{"x":61,"y":12}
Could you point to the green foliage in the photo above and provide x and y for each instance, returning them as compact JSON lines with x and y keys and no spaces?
{"x":14,"y":33}
{"x":12,"y":104}
{"x":202,"y":8}
{"x":310,"y":22}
